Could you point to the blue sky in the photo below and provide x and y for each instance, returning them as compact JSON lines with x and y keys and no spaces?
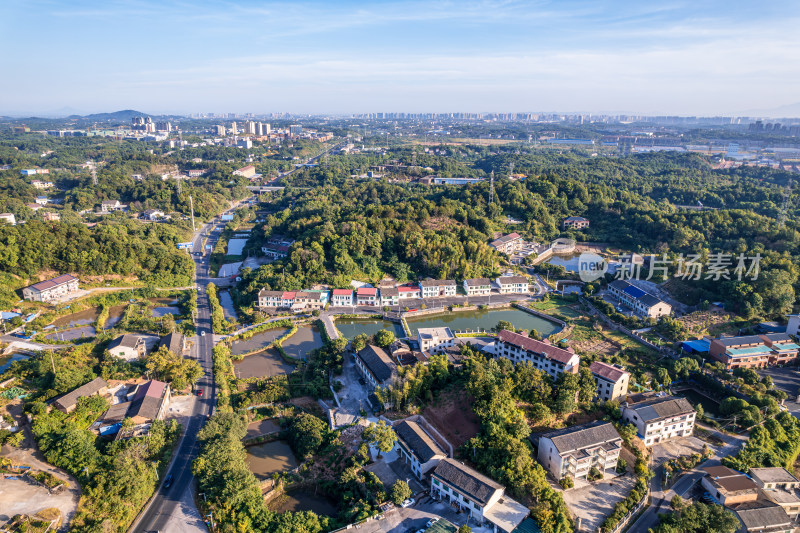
{"x":668,"y":57}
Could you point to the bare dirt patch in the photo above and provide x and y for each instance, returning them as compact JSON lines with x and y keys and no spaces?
{"x":440,"y":223}
{"x":452,"y":416}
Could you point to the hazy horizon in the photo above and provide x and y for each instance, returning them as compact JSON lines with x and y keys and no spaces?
{"x":676,"y":58}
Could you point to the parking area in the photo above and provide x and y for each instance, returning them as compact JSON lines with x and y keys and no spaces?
{"x":592,"y":503}
{"x":414,"y":518}
{"x":675,"y":448}
{"x":20,"y":496}
{"x":354,"y":394}
{"x":786,"y":379}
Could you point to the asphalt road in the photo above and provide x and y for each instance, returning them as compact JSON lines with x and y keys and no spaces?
{"x":169,"y":501}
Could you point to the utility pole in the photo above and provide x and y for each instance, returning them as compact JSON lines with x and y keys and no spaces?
{"x":191,"y":205}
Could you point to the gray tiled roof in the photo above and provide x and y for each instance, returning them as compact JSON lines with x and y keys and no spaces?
{"x":477,"y":282}
{"x":582,"y":436}
{"x":174,"y":343}
{"x":71,"y":398}
{"x":377,"y":362}
{"x":469,"y":481}
{"x":663,"y":407}
{"x":763,"y":517}
{"x":423,"y":447}
{"x":126,"y":341}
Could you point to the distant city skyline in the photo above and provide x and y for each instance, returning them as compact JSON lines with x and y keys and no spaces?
{"x":679,"y":57}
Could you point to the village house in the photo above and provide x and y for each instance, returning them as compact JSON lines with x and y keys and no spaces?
{"x":270,"y":298}
{"x":51,"y":216}
{"x":728,"y":486}
{"x":508,"y":244}
{"x":152,"y":214}
{"x":196,"y":172}
{"x":612,"y":381}
{"x":482,"y":498}
{"x":641,"y":303}
{"x":542,"y":355}
{"x":417,"y":448}
{"x":275,"y":251}
{"x":8,"y":218}
{"x":512,"y":284}
{"x":342,"y":297}
{"x":376,"y":366}
{"x":408,"y":292}
{"x":435,"y":340}
{"x":774,"y":478}
{"x":366,"y":296}
{"x":659,"y":417}
{"x":174,"y":342}
{"x":248,"y":172}
{"x":41,"y":184}
{"x":574,"y":451}
{"x":42,"y":200}
{"x":763,"y":517}
{"x":129,"y":347}
{"x":390,"y":296}
{"x":305,"y":300}
{"x":69,"y":401}
{"x":435,"y":288}
{"x":478,"y":287}
{"x":754,"y":351}
{"x":52,"y":289}
{"x":149,"y":403}
{"x":107,"y":206}
{"x":575,"y":223}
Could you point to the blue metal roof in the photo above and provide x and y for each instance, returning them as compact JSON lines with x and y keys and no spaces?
{"x":699,"y":345}
{"x":634,"y":291}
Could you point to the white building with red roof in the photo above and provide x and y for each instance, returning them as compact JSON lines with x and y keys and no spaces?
{"x":341,"y":297}
{"x":409,"y":292}
{"x":366,"y":296}
{"x":541,"y":354}
{"x":612,"y":380}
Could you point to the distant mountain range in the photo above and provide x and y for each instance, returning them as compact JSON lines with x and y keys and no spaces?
{"x":124,"y":115}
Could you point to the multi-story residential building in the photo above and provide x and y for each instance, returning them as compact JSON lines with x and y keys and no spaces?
{"x":507,"y":244}
{"x":408,"y":292}
{"x":575,"y":223}
{"x":41,"y":184}
{"x":366,"y":296}
{"x":248,"y":172}
{"x":435,"y":340}
{"x":774,"y":478}
{"x":51,"y":216}
{"x":479,"y":496}
{"x":512,"y":284}
{"x":754,"y":351}
{"x":288,"y":298}
{"x":612,"y":380}
{"x":42,"y":200}
{"x":107,"y":206}
{"x":305,"y":300}
{"x":417,"y":448}
{"x":659,"y":417}
{"x":478,"y":287}
{"x":541,"y":355}
{"x":376,"y":366}
{"x":270,"y":298}
{"x":728,"y":486}
{"x":434,"y":288}
{"x":342,"y":297}
{"x":52,"y":289}
{"x":390,"y":296}
{"x":575,"y":450}
{"x":641,"y":303}
{"x":8,"y":218}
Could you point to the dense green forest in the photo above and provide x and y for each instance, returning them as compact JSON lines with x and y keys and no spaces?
{"x":356,"y":229}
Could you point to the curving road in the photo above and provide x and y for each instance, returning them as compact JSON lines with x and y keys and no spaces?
{"x":171,"y":508}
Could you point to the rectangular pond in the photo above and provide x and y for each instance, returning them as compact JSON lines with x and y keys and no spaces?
{"x":483,"y":319}
{"x":350,"y":327}
{"x":301,"y":500}
{"x":6,"y":360}
{"x":269,"y":458}
{"x":262,"y":365}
